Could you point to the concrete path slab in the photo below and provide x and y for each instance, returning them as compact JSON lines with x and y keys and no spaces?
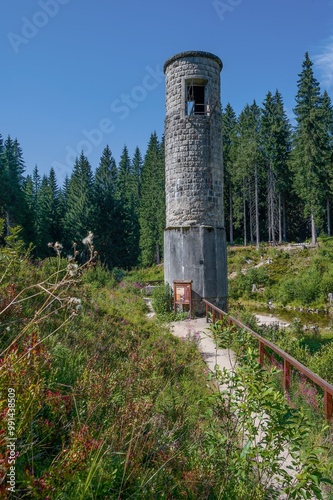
{"x":198,"y":329}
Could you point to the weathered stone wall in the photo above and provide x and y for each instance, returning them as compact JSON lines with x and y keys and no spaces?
{"x":194,"y":239}
{"x":193,"y":144}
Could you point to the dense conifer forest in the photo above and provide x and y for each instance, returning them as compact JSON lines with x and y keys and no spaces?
{"x":278,"y":184}
{"x":98,"y":400}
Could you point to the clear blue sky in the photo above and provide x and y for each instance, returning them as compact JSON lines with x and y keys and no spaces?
{"x":69,"y":67}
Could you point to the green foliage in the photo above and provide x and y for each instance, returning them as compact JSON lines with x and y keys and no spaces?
{"x":152,"y":206}
{"x":162,"y":299}
{"x":12,"y":169}
{"x":249,"y":410}
{"x":114,"y":405}
{"x":322,"y":362}
{"x":147,"y":274}
{"x":118,"y":274}
{"x":242,"y":285}
{"x":78,"y":215}
{"x":293,"y":277}
{"x":311,"y":143}
{"x":128,"y":201}
{"x":99,"y":276}
{"x":106,"y":216}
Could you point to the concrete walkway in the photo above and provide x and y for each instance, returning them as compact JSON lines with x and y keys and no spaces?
{"x":198,"y":329}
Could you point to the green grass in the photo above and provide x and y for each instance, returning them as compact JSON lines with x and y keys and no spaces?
{"x":109,"y":403}
{"x":292,"y":276}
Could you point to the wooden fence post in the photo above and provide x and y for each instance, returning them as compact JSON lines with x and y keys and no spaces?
{"x":286,"y":375}
{"x":328,"y":405}
{"x":288,"y":361}
{"x":261,"y":353}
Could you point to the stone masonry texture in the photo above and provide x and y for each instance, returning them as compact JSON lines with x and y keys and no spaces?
{"x":193,"y":144}
{"x":194,"y":239}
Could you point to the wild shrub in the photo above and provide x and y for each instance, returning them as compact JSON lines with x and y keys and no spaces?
{"x":162,"y":299}
{"x":250,"y":411}
{"x":100,"y":276}
{"x":308,"y":286}
{"x":241,"y":286}
{"x":322,"y":362}
{"x":109,"y":404}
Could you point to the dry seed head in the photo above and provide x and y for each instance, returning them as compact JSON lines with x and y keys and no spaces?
{"x":88,"y":240}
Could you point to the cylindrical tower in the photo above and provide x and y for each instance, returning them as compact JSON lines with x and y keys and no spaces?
{"x":194,"y":238}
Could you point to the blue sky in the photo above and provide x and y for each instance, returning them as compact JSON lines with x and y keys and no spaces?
{"x":82,"y":74}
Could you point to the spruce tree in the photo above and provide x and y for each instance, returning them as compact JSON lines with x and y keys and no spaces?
{"x":327,"y":110}
{"x":78,"y":218}
{"x":53,"y":201}
{"x":136,"y":169}
{"x":28,"y":224}
{"x":106,"y":212}
{"x":2,"y":183}
{"x":309,"y":147}
{"x":127,"y":195}
{"x":249,"y":168}
{"x":152,"y":206}
{"x":13,"y":169}
{"x":45,"y":217}
{"x":229,"y":122}
{"x":275,"y":139}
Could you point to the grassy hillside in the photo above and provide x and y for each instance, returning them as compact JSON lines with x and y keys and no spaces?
{"x":293,"y":283}
{"x":108,"y":404}
{"x":287,"y":275}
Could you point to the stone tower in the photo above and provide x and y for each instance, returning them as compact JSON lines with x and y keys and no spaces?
{"x":194,"y":238}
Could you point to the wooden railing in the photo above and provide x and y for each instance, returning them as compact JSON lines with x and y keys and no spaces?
{"x":288,"y":361}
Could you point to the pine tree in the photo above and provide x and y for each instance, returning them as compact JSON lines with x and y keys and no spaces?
{"x":310,"y":146}
{"x":106,"y":212}
{"x":41,"y":218}
{"x":327,"y":110}
{"x":53,"y":201}
{"x":127,"y":195}
{"x":78,"y":218}
{"x":249,"y":167}
{"x":152,"y":206}
{"x":45,"y":217}
{"x":2,"y":183}
{"x":229,"y":122}
{"x":275,"y":138}
{"x":35,"y":209}
{"x":28,"y":224}
{"x":136,"y":169}
{"x":13,"y":169}
{"x":135,"y":202}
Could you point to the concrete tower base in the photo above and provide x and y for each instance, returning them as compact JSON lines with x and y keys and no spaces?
{"x":198,"y":254}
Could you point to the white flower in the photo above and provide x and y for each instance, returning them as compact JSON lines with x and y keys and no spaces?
{"x":88,"y":240}
{"x":74,"y":300}
{"x":72,"y":269}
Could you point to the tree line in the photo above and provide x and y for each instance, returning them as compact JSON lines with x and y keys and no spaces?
{"x":123,"y":205}
{"x":278,"y":178}
{"x":278,"y":185}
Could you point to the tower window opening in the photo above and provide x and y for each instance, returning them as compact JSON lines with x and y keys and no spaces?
{"x":195,"y":99}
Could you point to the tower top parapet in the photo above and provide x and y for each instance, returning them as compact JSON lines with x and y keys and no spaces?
{"x":193,"y":53}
